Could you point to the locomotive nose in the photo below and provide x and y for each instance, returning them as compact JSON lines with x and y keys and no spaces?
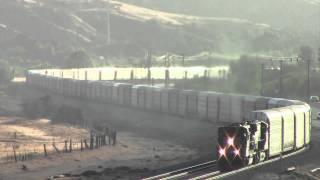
{"x":232,"y":152}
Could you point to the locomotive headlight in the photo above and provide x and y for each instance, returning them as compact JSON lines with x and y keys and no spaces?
{"x":230,"y":141}
{"x":236,"y":152}
{"x":222,"y":152}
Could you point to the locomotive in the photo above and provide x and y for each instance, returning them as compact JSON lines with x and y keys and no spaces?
{"x":271,"y":133}
{"x":242,"y":144}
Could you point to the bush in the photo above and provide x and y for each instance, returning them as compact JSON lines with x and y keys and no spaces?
{"x":6,"y":72}
{"x":245,"y":75}
{"x":78,"y":59}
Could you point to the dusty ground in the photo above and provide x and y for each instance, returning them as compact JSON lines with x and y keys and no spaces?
{"x":132,"y":157}
{"x":29,"y":136}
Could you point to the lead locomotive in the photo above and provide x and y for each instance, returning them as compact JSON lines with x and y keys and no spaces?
{"x":240,"y":145}
{"x":272,"y":133}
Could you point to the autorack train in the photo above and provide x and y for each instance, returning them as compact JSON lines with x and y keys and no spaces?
{"x":261,"y":128}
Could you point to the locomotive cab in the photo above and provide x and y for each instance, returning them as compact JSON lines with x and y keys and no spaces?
{"x":242,"y":144}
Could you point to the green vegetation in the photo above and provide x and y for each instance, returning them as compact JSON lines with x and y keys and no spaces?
{"x":71,"y":36}
{"x":245,"y":75}
{"x":77,"y":59}
{"x":6,"y":73}
{"x":245,"y":78}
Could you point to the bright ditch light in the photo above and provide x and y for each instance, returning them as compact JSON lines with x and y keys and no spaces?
{"x":222,"y":152}
{"x":236,"y":152}
{"x":230,"y":141}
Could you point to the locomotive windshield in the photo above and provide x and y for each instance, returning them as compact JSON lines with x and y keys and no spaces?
{"x":232,"y":135}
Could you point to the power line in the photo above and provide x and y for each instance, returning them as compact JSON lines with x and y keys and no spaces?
{"x":281,"y":60}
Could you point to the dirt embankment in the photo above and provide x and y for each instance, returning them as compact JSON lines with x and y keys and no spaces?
{"x":190,"y":132}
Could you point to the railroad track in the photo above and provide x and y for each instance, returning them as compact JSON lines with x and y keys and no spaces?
{"x":185,"y":173}
{"x":209,"y":171}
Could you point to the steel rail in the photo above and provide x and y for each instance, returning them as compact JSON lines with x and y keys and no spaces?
{"x":184,"y":175}
{"x":181,"y":172}
{"x":224,"y":175}
{"x":216,"y":174}
{"x":208,"y":175}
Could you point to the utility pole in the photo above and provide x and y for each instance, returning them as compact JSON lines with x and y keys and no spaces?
{"x":308,"y":78}
{"x":261,"y":80}
{"x":281,"y":79}
{"x":149,"y":59}
{"x":281,"y":61}
{"x":148,"y":65}
{"x":183,"y":59}
{"x":108,"y":24}
{"x":319,"y":54}
{"x":167,"y":60}
{"x":185,"y":72}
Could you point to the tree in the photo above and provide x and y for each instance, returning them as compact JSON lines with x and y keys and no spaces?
{"x":78,"y":59}
{"x":245,"y":75}
{"x":6,"y":73}
{"x":306,"y":53}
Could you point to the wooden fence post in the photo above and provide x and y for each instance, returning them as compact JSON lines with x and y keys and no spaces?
{"x":100,"y":75}
{"x":25,"y":155}
{"x":55,"y":147}
{"x":14,"y":153}
{"x":65,"y":146}
{"x":115,"y":138}
{"x":86,"y":144}
{"x":97,"y":142}
{"x":70,"y":147}
{"x":45,"y":150}
{"x":91,"y":141}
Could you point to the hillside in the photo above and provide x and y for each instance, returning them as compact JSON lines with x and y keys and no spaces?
{"x":46,"y":32}
{"x":281,"y":14}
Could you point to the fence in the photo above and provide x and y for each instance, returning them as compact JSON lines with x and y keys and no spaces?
{"x":27,"y":151}
{"x":114,"y":73}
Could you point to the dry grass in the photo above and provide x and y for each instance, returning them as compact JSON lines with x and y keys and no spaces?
{"x":29,"y":136}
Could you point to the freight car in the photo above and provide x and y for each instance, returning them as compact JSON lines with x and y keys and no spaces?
{"x":270,"y":133}
{"x":211,"y":106}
